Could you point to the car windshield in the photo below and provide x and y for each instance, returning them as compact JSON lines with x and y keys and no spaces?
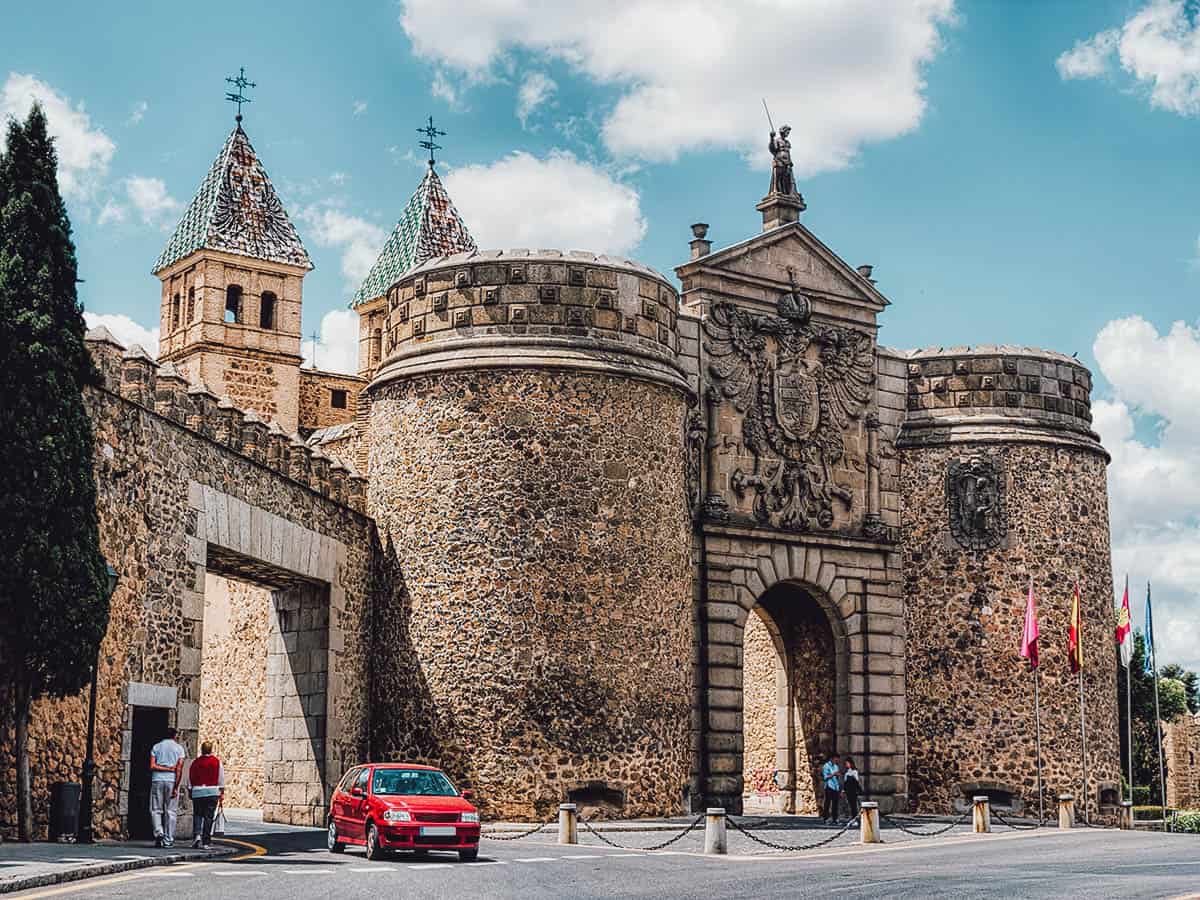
{"x":412,"y":782}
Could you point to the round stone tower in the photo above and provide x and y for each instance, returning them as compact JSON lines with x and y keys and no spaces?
{"x":1003,"y":481}
{"x":528,"y":479}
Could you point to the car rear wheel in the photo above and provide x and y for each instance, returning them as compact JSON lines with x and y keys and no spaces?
{"x":468,"y":855}
{"x":332,"y":839}
{"x":374,"y":851}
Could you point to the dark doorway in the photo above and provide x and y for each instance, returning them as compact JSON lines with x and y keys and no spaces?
{"x":149,"y":727}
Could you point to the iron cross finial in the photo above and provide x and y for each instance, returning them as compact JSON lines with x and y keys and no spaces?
{"x":241,"y":82}
{"x":430,"y":134}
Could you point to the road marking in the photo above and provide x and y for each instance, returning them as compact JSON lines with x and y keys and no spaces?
{"x":238,"y":873}
{"x":491,"y":862}
{"x":1155,"y":865}
{"x":431,"y":866}
{"x":256,"y":849}
{"x":622,"y":855}
{"x":307,"y":872}
{"x":87,"y":884}
{"x":589,"y":856}
{"x":151,"y":873}
{"x":535,"y":859}
{"x":371,"y":869}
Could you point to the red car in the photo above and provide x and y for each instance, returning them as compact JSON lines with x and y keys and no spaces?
{"x":396,"y":806}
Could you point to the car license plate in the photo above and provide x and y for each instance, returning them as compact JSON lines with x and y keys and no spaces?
{"x":438,"y":831}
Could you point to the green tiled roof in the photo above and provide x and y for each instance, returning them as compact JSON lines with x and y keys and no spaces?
{"x":429,"y":227}
{"x":236,"y":210}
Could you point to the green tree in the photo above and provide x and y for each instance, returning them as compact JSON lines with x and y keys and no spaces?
{"x":1190,"y":681}
{"x":53,"y":596}
{"x":1172,"y":703}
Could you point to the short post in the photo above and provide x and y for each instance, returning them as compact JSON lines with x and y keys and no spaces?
{"x":714,"y":830}
{"x":1127,"y":815}
{"x":868,"y":822}
{"x":568,"y":824}
{"x":982,"y":818}
{"x":1066,"y":810}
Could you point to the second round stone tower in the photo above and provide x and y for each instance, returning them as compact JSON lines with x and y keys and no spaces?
{"x":528,"y":480}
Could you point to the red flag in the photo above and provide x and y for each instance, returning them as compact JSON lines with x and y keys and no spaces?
{"x":1029,"y":637}
{"x":1124,"y":627}
{"x":1075,"y":635}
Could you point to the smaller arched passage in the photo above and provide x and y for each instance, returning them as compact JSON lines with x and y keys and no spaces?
{"x":791,"y":690}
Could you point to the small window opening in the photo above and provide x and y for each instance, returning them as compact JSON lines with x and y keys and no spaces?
{"x":175,"y":312}
{"x":233,"y":303}
{"x":337,"y":399}
{"x":191,"y":307}
{"x":266,"y":312}
{"x":597,"y":794}
{"x":1108,"y":797}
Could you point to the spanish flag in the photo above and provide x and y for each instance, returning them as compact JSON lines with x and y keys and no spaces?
{"x":1075,"y":634}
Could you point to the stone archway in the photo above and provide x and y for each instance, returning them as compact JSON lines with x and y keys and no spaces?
{"x":790,"y":702}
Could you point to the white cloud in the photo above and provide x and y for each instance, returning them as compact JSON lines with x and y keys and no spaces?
{"x":337,"y":348}
{"x":112,"y":213}
{"x":150,"y":198}
{"x":125,"y":330}
{"x":1154,"y":488}
{"x":692,"y":73}
{"x":536,"y":88}
{"x":1159,"y":45}
{"x":84,"y":151}
{"x":564,"y":203}
{"x":359,"y":107}
{"x":359,"y":239}
{"x":445,"y":89}
{"x":138,"y":112}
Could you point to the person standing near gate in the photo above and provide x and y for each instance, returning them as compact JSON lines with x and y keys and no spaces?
{"x":831,"y":774}
{"x":166,"y":771}
{"x":206,"y":780}
{"x":852,"y":785}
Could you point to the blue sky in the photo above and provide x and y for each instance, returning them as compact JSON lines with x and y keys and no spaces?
{"x":1016,"y":172}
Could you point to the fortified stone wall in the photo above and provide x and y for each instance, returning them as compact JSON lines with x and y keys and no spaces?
{"x":761,"y":668}
{"x":178,"y":474}
{"x":1181,"y":749}
{"x":1003,"y":483}
{"x":316,"y":399}
{"x":528,"y":481}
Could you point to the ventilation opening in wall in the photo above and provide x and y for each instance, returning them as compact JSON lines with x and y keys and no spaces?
{"x":1001,"y":797}
{"x":597,"y":795}
{"x":1109,"y":796}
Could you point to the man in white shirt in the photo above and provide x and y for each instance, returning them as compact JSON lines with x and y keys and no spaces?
{"x":166,"y":771}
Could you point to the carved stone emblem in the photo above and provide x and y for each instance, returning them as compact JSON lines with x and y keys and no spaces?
{"x":975,"y":499}
{"x":797,"y":387}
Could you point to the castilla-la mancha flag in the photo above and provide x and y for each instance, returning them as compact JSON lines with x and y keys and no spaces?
{"x":1029,"y":637}
{"x":1125,"y":628}
{"x":1075,"y":635}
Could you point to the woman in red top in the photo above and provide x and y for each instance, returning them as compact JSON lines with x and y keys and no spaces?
{"x":207,"y":780}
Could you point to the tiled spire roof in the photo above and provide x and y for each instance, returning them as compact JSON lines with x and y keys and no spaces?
{"x":236,"y":210}
{"x":429,"y":227}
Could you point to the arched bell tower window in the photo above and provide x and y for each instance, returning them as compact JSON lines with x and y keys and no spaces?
{"x":175,"y":312}
{"x":233,"y":303}
{"x":191,"y":307}
{"x":266,"y":311}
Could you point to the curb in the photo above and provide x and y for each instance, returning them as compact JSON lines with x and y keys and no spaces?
{"x":24,"y":883}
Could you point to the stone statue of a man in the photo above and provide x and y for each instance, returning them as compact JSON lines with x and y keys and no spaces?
{"x":783,"y":180}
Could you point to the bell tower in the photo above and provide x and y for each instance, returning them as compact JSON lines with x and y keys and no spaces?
{"x":232,"y":276}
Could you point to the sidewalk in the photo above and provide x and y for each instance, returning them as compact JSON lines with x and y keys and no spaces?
{"x":24,"y":866}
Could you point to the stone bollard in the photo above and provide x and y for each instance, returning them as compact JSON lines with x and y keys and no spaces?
{"x":568,"y":824}
{"x":714,"y":830}
{"x":1066,"y":810}
{"x":982,"y":818}
{"x":868,"y":822}
{"x":1127,"y":815}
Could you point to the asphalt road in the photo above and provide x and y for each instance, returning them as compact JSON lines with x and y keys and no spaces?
{"x":1080,"y":863}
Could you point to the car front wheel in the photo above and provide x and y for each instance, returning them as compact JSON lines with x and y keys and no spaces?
{"x":374,"y":851}
{"x":332,"y":840}
{"x":468,"y":855}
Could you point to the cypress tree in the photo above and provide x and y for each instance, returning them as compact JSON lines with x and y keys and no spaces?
{"x":53,"y":589}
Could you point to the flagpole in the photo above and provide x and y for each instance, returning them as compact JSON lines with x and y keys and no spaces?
{"x":1162,"y":777}
{"x":1129,"y":704}
{"x":1083,"y":743}
{"x":1037,"y":719}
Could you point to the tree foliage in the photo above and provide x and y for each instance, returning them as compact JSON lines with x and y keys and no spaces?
{"x":53,"y":589}
{"x":1172,"y":703}
{"x":1189,"y":680}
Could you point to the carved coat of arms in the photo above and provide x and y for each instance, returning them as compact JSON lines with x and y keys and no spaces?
{"x":975,"y":500}
{"x":797,"y":386}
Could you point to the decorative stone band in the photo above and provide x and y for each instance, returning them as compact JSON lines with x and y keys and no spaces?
{"x":162,"y":389}
{"x":996,"y":393}
{"x":536,"y":309}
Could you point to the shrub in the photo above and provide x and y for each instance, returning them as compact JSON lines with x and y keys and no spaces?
{"x":1141,"y":796}
{"x":1187,"y":821}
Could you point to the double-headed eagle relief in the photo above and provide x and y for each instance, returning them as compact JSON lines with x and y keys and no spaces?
{"x":797,"y":386}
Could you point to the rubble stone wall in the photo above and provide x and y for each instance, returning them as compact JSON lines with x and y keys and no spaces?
{"x":316,"y":398}
{"x":970,"y":697}
{"x":761,"y":667}
{"x":1181,"y":747}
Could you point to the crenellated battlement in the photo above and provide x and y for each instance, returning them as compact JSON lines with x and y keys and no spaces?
{"x":131,"y":373}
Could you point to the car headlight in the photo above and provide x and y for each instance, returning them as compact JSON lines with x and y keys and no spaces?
{"x":397,"y":815}
{"x":470,"y":817}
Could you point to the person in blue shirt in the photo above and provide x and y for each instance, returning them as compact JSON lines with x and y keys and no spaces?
{"x":831,"y":775}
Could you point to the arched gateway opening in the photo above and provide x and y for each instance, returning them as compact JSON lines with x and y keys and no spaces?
{"x":791,"y":687}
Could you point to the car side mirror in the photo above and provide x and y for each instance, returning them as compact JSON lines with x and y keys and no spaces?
{"x":466,"y":795}
{"x":356,"y":791}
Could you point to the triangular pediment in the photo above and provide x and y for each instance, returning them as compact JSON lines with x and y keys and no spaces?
{"x":764,"y":260}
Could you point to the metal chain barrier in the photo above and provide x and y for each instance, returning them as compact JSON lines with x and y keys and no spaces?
{"x":667,"y":843}
{"x":907,"y":830}
{"x":1017,"y":826}
{"x":520,"y":834}
{"x":789,"y":848}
